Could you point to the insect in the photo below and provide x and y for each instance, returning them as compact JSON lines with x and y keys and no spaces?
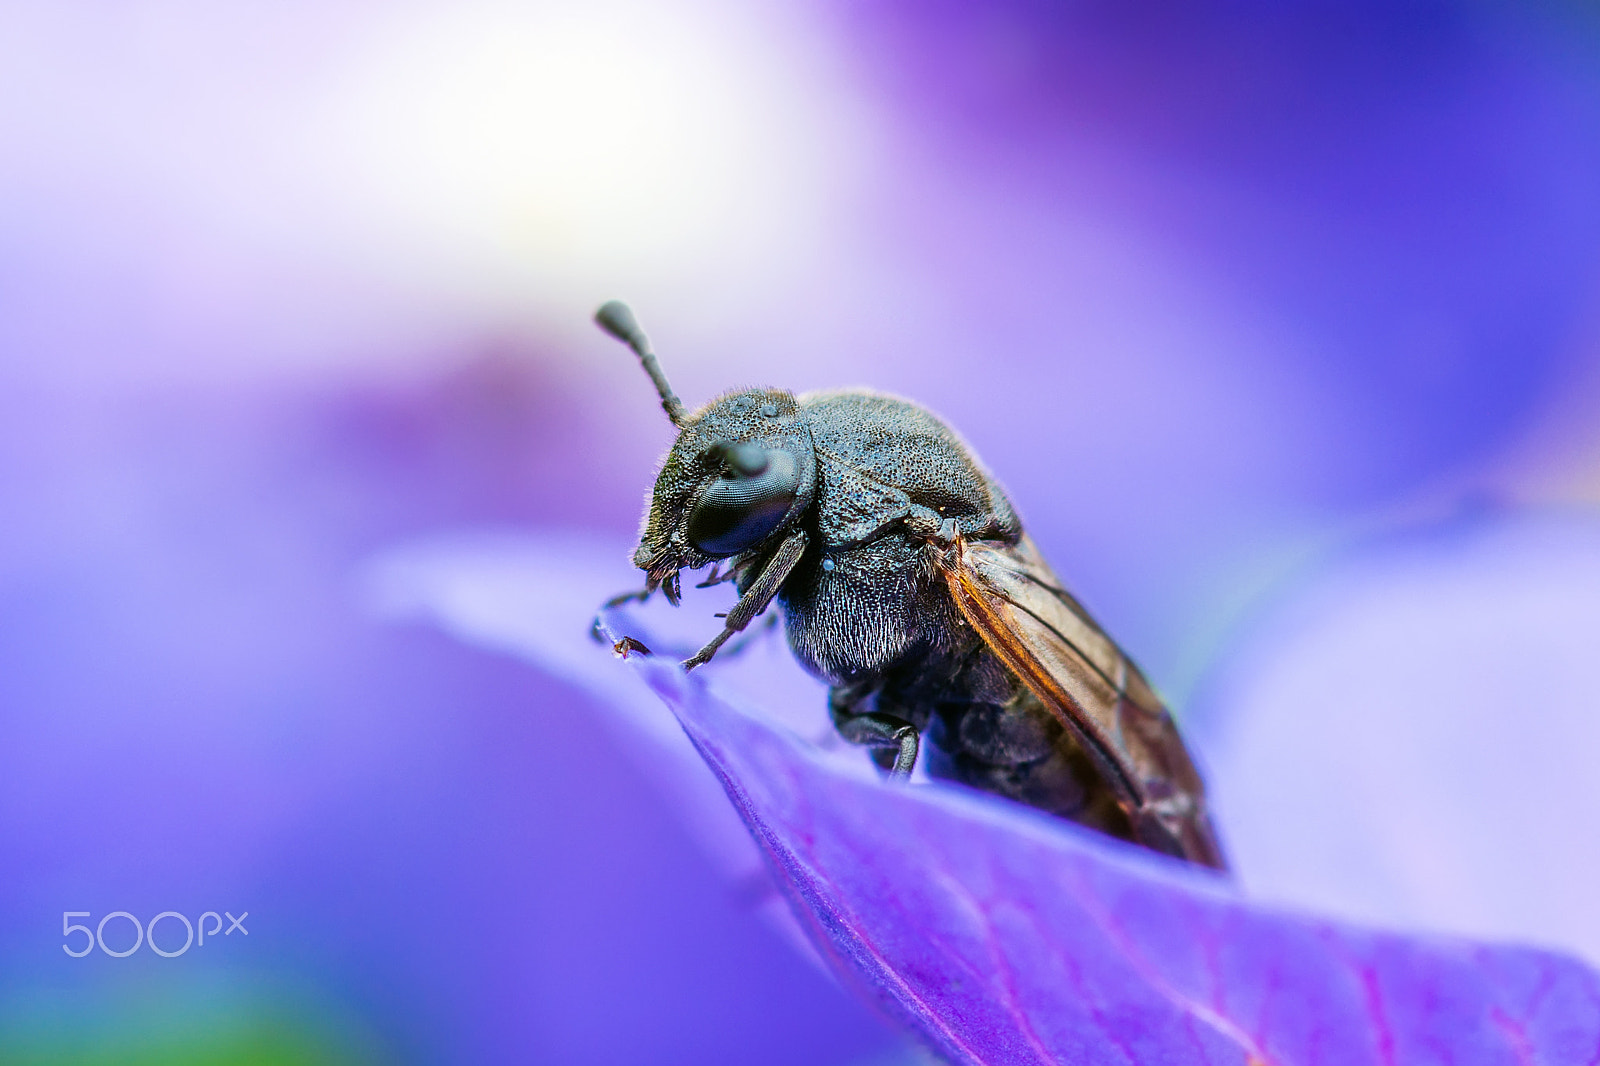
{"x":907,"y":583}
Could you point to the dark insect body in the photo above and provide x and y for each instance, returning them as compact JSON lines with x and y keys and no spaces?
{"x":907,"y":583}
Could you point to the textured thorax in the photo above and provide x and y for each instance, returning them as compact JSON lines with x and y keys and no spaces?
{"x":877,"y":456}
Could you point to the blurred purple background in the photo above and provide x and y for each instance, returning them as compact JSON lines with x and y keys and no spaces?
{"x":1220,"y":294}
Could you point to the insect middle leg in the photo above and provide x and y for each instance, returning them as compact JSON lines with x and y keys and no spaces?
{"x":894,"y":742}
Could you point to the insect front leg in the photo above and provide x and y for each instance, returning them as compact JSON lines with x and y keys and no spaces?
{"x":628,"y":597}
{"x":738,"y":647}
{"x":756,"y":597}
{"x":597,"y":628}
{"x":894,"y":742}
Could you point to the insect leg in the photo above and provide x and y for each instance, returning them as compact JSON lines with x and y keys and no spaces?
{"x":751,"y":635}
{"x":756,"y":597}
{"x":628,"y":646}
{"x":628,"y":597}
{"x":894,"y":741}
{"x":597,"y":627}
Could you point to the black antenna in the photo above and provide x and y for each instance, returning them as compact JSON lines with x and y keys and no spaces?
{"x":616,"y":318}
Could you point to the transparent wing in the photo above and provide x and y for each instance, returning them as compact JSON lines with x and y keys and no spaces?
{"x":1044,"y":636}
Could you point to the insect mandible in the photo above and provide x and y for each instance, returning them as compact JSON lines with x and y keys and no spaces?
{"x":907,"y":584}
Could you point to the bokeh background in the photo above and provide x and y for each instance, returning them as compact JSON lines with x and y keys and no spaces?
{"x":1249,"y":306}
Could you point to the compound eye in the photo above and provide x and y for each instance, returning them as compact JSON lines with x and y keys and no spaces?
{"x":748,"y":500}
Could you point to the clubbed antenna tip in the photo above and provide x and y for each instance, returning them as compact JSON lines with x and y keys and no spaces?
{"x":616,"y":318}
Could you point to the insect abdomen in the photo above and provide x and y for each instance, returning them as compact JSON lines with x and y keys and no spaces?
{"x":1017,"y":749}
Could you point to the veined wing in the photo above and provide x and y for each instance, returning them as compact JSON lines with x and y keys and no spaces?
{"x":1044,"y":636}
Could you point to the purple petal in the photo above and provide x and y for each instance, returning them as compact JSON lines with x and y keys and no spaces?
{"x":1000,"y":935}
{"x":1409,"y":738}
{"x":534,"y":596}
{"x":1006,"y":937}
